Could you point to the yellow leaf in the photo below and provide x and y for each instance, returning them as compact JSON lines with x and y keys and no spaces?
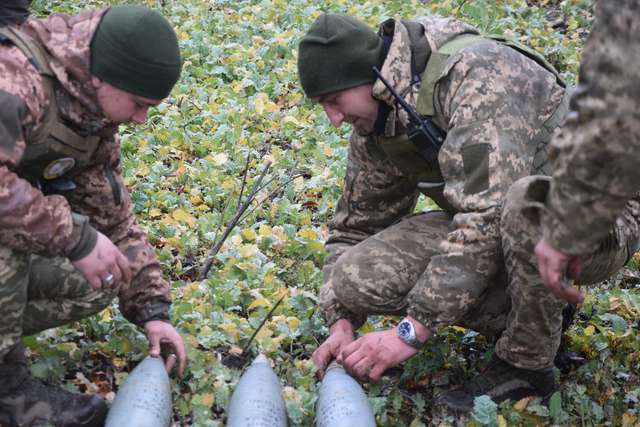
{"x":195,"y":199}
{"x":249,"y":234}
{"x":298,"y":183}
{"x":229,"y":328}
{"x":264,"y":230}
{"x":308,"y":234}
{"x":155,"y":213}
{"x":629,"y":420}
{"x":293,"y":322}
{"x":502,"y":422}
{"x":265,"y":332}
{"x":248,"y":251}
{"x":236,"y":240}
{"x":227,"y":184}
{"x":458,"y":328}
{"x":220,"y":159}
{"x":589,"y":330}
{"x":106,"y":315}
{"x":521,"y":404}
{"x":143,"y":170}
{"x":268,"y":278}
{"x":261,"y":98}
{"x":292,"y":120}
{"x":183,"y":216}
{"x":260,"y":302}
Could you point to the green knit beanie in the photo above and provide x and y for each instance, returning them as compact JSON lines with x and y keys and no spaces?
{"x":338,"y":53}
{"x":136,"y":50}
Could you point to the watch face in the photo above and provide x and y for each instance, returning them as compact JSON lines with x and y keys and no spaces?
{"x":404,"y":329}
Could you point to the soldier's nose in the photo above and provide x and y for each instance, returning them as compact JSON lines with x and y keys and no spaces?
{"x":140,"y":116}
{"x":335,"y":117}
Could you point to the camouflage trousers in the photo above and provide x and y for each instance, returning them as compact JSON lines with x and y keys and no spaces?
{"x":516,"y":306}
{"x":38,"y":293}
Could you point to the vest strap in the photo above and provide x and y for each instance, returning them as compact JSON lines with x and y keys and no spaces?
{"x":30,"y":49}
{"x":438,"y":61}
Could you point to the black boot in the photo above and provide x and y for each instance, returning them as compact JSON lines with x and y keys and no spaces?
{"x":25,"y":401}
{"x":500,"y":381}
{"x":566,"y":360}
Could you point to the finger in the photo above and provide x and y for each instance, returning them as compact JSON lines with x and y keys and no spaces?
{"x":362,"y":369}
{"x":321,"y":358}
{"x":377,"y":371}
{"x":348,"y":350}
{"x":572,"y":294}
{"x":154,"y":345}
{"x":178,"y":345}
{"x":350,"y":362}
{"x":123,"y":263}
{"x":170,"y":362}
{"x":95,"y":282}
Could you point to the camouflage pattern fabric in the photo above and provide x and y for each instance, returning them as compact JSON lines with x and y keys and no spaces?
{"x":54,"y":225}
{"x":598,"y":151}
{"x":38,"y":293}
{"x":377,"y":276}
{"x":533,"y":328}
{"x":494,"y":102}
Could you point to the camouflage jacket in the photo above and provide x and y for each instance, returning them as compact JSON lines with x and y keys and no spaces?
{"x":597,"y":166}
{"x":489,"y":95}
{"x":56,"y":225}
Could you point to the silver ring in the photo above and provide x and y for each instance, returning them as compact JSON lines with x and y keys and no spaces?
{"x":172,"y":355}
{"x":108,"y":280}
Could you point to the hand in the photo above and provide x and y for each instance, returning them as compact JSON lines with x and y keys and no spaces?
{"x":104,"y":259}
{"x":555,"y":267}
{"x":369,"y":356}
{"x":341,"y":334}
{"x":160,"y":332}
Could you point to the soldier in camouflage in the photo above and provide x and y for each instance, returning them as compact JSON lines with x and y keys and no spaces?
{"x":596,"y":177}
{"x":470,"y":262}
{"x":70,"y":242}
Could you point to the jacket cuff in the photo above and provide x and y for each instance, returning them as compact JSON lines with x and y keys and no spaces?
{"x":85,"y":235}
{"x":153,"y":310}
{"x":334,"y":313}
{"x":425,"y":318}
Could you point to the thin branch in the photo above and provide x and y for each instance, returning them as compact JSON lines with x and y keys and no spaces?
{"x":246,"y":346}
{"x":270,"y":195}
{"x":234,"y":221}
{"x":244,"y":178}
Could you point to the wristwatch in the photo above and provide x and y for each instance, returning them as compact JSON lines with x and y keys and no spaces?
{"x":407,"y":333}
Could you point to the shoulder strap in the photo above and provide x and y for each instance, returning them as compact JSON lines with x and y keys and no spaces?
{"x":29,"y":48}
{"x":436,"y":65}
{"x":438,"y":60}
{"x":51,"y":124}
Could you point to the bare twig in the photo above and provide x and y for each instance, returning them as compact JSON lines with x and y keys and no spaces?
{"x":270,"y":195}
{"x":244,"y":178}
{"x":234,"y":221}
{"x":246,"y":346}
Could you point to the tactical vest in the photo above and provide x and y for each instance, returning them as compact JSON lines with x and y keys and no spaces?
{"x":405,"y":156}
{"x":54,"y":153}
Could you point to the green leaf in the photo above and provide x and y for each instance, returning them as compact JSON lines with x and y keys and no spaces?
{"x":485,"y":411}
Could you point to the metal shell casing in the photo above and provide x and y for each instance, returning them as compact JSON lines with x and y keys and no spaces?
{"x":342,"y":401}
{"x":257,"y":399}
{"x":144,"y":399}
